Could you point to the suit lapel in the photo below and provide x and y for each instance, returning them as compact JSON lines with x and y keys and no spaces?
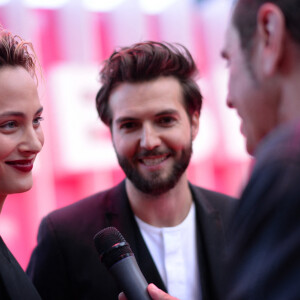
{"x":119,"y":214}
{"x":210,"y":240}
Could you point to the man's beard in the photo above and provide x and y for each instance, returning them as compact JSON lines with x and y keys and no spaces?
{"x":156,"y":185}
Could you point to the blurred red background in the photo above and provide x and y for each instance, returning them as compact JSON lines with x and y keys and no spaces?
{"x":71,"y":39}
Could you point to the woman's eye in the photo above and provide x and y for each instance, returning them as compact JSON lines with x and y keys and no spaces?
{"x":37,"y":121}
{"x":9,"y":125}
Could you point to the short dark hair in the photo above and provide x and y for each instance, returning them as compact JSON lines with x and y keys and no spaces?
{"x":14,"y":51}
{"x":146,"y":61}
{"x":245,"y":16}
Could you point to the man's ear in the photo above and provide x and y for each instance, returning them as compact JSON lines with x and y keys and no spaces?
{"x":271,"y":35}
{"x":194,"y":124}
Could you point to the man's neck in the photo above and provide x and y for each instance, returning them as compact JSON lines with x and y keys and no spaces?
{"x":166,"y":210}
{"x":2,"y":199}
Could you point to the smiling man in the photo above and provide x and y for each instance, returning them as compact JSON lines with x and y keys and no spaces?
{"x":263,"y":246}
{"x":151,"y":103}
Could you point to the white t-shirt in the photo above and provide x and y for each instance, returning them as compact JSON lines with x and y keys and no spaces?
{"x":174,"y":251}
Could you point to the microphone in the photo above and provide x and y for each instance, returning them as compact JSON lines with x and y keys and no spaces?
{"x":116,"y":254}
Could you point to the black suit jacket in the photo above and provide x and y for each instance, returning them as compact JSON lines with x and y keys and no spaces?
{"x":65,"y":263}
{"x":14,"y":283}
{"x":263,"y":254}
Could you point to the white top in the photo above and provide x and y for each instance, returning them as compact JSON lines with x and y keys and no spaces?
{"x":174,"y":251}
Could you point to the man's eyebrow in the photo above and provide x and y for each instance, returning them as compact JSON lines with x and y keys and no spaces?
{"x":167,"y":112}
{"x":125,"y":119}
{"x":161,"y":113}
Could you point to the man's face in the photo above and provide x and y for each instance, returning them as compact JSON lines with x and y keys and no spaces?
{"x":249,"y":91}
{"x":152,"y":133}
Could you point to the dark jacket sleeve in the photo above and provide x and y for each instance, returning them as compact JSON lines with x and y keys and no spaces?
{"x":47,"y":265}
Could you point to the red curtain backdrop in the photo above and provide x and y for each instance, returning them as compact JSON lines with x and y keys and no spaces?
{"x":71,"y":41}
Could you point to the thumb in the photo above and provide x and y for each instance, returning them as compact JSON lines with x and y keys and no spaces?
{"x":157,"y":294}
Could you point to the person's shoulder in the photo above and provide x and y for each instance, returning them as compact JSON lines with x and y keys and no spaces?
{"x":213,"y":200}
{"x":88,"y":206}
{"x":210,"y":194}
{"x":282,"y":143}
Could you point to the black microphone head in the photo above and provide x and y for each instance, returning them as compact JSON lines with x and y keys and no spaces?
{"x":111,"y":246}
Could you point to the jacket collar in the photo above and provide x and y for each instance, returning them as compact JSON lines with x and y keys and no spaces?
{"x":119,"y":214}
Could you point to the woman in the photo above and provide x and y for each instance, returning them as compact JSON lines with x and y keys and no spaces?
{"x":21,"y":139}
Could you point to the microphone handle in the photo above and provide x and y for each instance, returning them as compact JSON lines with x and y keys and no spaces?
{"x":130,"y":278}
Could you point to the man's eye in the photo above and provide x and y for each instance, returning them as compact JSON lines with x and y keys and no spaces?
{"x":128,"y":125}
{"x":166,"y":120}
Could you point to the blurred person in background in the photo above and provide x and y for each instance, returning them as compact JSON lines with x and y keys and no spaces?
{"x":262,"y":49}
{"x":21,"y":139}
{"x":263,"y":53}
{"x":151,"y":102}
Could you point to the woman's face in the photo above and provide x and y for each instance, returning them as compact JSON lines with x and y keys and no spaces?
{"x":21,"y":135}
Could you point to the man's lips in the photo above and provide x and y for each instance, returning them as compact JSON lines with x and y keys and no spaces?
{"x":24,"y":165}
{"x":154,"y":160}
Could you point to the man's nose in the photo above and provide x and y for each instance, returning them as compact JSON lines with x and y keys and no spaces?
{"x":229,"y":102}
{"x":149,"y":138}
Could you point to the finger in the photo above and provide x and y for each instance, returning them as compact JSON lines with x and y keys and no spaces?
{"x":122,"y":296}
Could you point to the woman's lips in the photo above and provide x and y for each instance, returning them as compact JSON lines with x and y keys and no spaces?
{"x":21,"y":165}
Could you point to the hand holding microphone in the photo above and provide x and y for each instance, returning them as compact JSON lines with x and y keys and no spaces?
{"x":119,"y":259}
{"x":154,"y":292}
